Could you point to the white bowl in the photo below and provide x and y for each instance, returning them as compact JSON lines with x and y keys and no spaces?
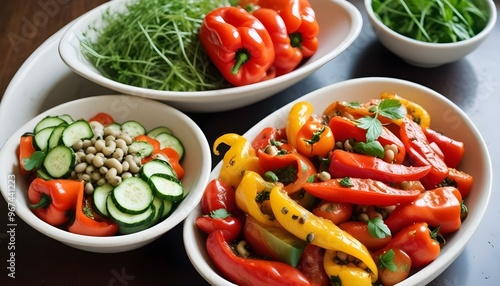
{"x":340,"y":24}
{"x":197,"y":163}
{"x":423,"y":54}
{"x":445,"y":116}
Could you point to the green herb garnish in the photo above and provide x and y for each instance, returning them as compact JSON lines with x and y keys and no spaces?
{"x":346,"y":182}
{"x":436,"y":21}
{"x":34,"y":161}
{"x":220,"y":213}
{"x":387,"y":261}
{"x":377,"y":228}
{"x":390,"y":108}
{"x":155,"y":45}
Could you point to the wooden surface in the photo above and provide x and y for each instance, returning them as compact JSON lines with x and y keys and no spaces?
{"x":472,"y":83}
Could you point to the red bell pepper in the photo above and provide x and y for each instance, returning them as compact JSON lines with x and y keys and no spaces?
{"x":453,"y":150}
{"x":311,"y":264}
{"x":360,"y":191}
{"x":418,"y":241}
{"x":349,"y":164}
{"x":461,"y":180}
{"x":288,"y":10}
{"x":103,"y":118}
{"x":440,"y":207}
{"x":306,"y":35}
{"x":87,"y":222}
{"x":220,"y":220}
{"x":360,"y":231}
{"x":238,"y":44}
{"x":293,"y":169}
{"x":344,"y":129}
{"x":268,"y":136}
{"x":250,"y":271}
{"x":422,"y":153}
{"x":26,"y":150}
{"x":54,"y":200}
{"x":286,"y":57}
{"x":218,"y":195}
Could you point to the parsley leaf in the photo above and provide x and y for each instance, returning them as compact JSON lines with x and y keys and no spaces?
{"x":387,"y":261}
{"x":35,"y":161}
{"x":378,"y":228}
{"x":390,"y":108}
{"x":346,"y":182}
{"x":220,"y":213}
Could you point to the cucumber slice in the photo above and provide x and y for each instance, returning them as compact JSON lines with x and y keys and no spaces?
{"x":49,"y":121}
{"x":170,"y":141}
{"x":132,"y":196}
{"x":133,"y":128}
{"x":67,"y":118}
{"x":156,"y":166}
{"x":158,"y":130}
{"x":168,"y":207}
{"x":141,"y":149}
{"x":159,"y":207}
{"x":99,"y":197}
{"x":78,"y":130}
{"x":129,"y":223}
{"x":41,"y":173}
{"x":41,"y":138}
{"x":115,"y":126}
{"x":59,"y":161}
{"x":166,"y":187}
{"x":56,"y":135}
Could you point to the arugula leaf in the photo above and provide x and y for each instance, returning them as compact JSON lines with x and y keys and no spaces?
{"x":387,"y":261}
{"x":390,"y":108}
{"x":378,"y":228}
{"x":35,"y":161}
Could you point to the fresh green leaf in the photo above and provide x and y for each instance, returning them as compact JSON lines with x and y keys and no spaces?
{"x":346,"y":182}
{"x":220,"y":213}
{"x":352,"y":104}
{"x":373,"y":127}
{"x":35,"y":161}
{"x":372,"y":148}
{"x":391,"y":108}
{"x":387,"y":261}
{"x":378,"y":228}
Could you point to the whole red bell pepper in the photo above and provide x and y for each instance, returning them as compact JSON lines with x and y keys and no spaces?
{"x":419,"y":149}
{"x":238,"y":44}
{"x":54,"y":200}
{"x":250,"y":271}
{"x":344,"y":129}
{"x":87,"y":222}
{"x":349,"y":164}
{"x":440,"y":207}
{"x":293,"y":169}
{"x":286,"y":57}
{"x":305,"y":36}
{"x":218,"y":195}
{"x":360,"y":191}
{"x":220,"y":220}
{"x":418,"y":241}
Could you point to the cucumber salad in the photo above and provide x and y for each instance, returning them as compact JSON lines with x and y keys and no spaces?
{"x":130,"y":177}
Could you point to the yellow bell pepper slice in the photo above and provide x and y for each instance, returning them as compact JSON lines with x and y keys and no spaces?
{"x":348,"y":274}
{"x":317,"y":230}
{"x":240,"y":157}
{"x":297,"y":117}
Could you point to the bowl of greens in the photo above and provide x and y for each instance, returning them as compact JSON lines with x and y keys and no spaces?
{"x":152,"y":49}
{"x":431,"y":33}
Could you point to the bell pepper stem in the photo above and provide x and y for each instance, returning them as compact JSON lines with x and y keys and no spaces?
{"x":44,"y":202}
{"x":295,"y":40}
{"x":241,"y":57}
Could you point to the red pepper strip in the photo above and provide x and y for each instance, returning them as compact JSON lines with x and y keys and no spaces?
{"x":307,"y":31}
{"x":103,"y":118}
{"x":52,"y":200}
{"x":453,"y":150}
{"x":422,"y":153}
{"x":26,"y":149}
{"x":266,"y":136}
{"x":418,"y":242}
{"x":438,"y":207}
{"x":249,"y":271}
{"x":230,"y":226}
{"x":287,"y":58}
{"x":349,"y":164}
{"x":87,"y":222}
{"x":289,"y":10}
{"x":238,"y":45}
{"x":461,"y":180}
{"x":173,"y":158}
{"x":360,"y":191}
{"x":303,"y":166}
{"x":344,"y":129}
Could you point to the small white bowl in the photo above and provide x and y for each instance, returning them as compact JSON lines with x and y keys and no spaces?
{"x":197,"y":164}
{"x":339,"y":21}
{"x":476,"y":162}
{"x":428,"y":55}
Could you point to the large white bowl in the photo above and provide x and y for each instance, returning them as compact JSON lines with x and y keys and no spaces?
{"x":446,"y":117}
{"x":197,"y":163}
{"x":427,"y":55}
{"x":340,"y":24}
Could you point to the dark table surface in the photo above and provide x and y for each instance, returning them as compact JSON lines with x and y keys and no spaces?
{"x":472,"y":83}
